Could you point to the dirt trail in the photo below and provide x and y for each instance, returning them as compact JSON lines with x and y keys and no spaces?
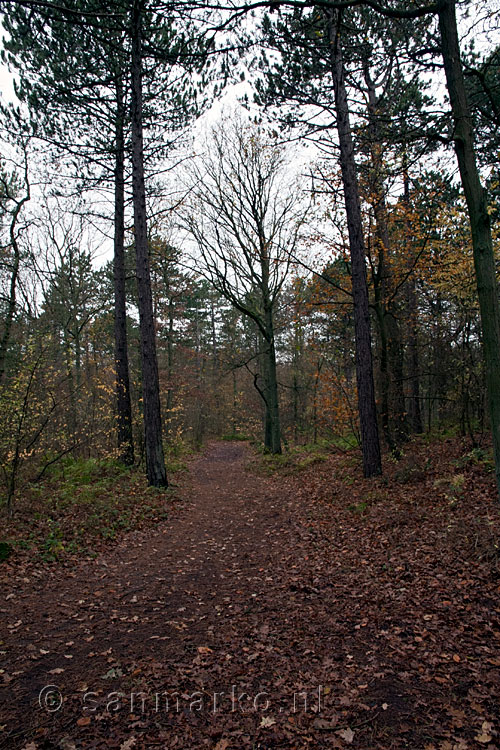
{"x":187,"y":608}
{"x":261,"y":616}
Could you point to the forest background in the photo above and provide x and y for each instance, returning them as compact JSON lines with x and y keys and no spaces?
{"x":303,"y":265}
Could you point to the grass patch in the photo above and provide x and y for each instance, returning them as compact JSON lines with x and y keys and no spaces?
{"x":5,"y":550}
{"x":236,"y":436}
{"x":293,"y":460}
{"x":358,"y":508}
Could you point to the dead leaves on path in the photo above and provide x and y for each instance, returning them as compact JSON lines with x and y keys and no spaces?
{"x":384,"y":594}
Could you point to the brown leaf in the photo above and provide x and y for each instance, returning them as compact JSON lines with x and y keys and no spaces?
{"x":346,"y":734}
{"x":267,"y":721}
{"x":484,"y":737}
{"x":324,"y":724}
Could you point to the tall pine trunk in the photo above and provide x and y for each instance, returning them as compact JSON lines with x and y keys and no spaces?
{"x":393,"y":400}
{"x":14,"y":275}
{"x":475,"y":196}
{"x":155,"y":462}
{"x":414,"y":410}
{"x":372,"y":464}
{"x":123,"y":404}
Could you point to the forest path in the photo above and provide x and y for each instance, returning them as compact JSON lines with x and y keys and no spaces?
{"x":207,"y":602}
{"x":265,"y":612}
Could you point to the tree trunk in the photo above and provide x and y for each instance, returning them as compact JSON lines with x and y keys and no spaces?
{"x":394,"y":416}
{"x":11,"y":303}
{"x":170,"y":360}
{"x":317,"y":375}
{"x":155,"y":462}
{"x":11,"y":309}
{"x":73,"y":417}
{"x":414,"y":410}
{"x":475,"y":195}
{"x":269,"y":390}
{"x":398,"y":415}
{"x":123,"y":404}
{"x":272,"y":396}
{"x":235,"y":401}
{"x":383,"y":379}
{"x":370,"y":446}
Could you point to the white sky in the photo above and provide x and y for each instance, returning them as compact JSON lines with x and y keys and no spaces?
{"x":6,"y":85}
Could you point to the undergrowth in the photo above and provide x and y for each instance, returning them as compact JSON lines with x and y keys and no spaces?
{"x":82,"y":503}
{"x":293,"y":459}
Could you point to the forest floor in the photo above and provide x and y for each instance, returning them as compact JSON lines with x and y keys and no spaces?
{"x":274,"y":605}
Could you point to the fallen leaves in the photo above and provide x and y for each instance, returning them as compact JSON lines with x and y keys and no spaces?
{"x":325,"y":724}
{"x":393,"y":617}
{"x":485,"y":735}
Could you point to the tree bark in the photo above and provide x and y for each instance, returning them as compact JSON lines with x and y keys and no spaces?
{"x":11,"y":306}
{"x":170,"y":359}
{"x":383,"y":374}
{"x":155,"y":462}
{"x":12,"y":302}
{"x":269,"y":389}
{"x":393,"y":412}
{"x":372,"y":464}
{"x":414,"y":410}
{"x":272,"y":400}
{"x":123,"y":404}
{"x":475,"y":195}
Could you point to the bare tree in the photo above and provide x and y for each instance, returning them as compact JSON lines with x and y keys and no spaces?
{"x":245,"y":214}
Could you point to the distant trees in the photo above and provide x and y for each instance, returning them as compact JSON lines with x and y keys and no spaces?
{"x":320,"y":86}
{"x":245,"y":216}
{"x":299,"y":90}
{"x":366,"y":300}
